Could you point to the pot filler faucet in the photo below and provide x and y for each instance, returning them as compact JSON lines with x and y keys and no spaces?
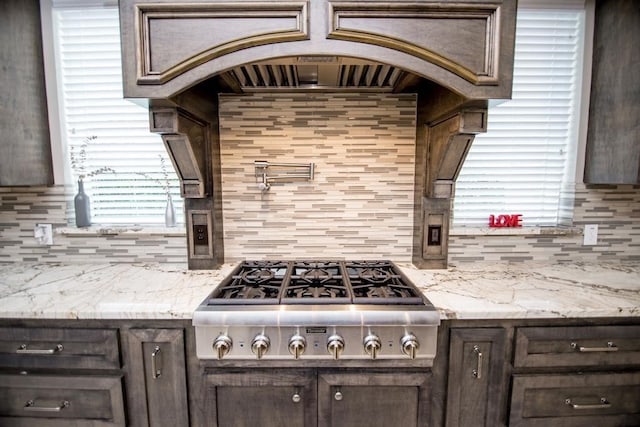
{"x":268,"y":172}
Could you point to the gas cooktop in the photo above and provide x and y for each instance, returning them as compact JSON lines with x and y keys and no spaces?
{"x":316,"y":310}
{"x":316,"y":282}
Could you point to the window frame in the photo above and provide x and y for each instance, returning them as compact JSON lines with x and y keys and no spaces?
{"x":574,"y":169}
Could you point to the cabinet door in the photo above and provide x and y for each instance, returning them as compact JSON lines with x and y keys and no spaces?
{"x":371,"y":399}
{"x":477,"y":377}
{"x":156,"y":390}
{"x":260,"y":398}
{"x":25,"y":151}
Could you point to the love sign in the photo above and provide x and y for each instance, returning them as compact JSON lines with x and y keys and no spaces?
{"x":514,"y":220}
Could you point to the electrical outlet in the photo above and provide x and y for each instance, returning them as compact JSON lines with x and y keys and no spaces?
{"x":590,"y":235}
{"x":43,"y":233}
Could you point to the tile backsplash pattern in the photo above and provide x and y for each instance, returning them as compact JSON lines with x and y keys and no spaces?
{"x":21,"y":208}
{"x":615,"y":209}
{"x":359,"y":205}
{"x":356,"y":195}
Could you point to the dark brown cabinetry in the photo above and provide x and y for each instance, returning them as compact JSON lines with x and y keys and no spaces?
{"x":322,"y":398}
{"x":537,"y":373}
{"x":576,"y":376}
{"x":477,"y":377}
{"x":60,"y":377}
{"x":593,"y":399}
{"x":157,"y":390}
{"x":25,"y":151}
{"x":373,"y":398}
{"x":261,"y":398}
{"x":613,"y":148}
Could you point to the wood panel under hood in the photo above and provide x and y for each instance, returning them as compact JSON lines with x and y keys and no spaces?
{"x":180,"y":55}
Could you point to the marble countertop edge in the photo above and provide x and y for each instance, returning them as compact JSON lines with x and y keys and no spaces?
{"x":470,"y":292}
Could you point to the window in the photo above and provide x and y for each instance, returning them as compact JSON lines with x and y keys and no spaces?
{"x":525,"y":162}
{"x":113,"y":132}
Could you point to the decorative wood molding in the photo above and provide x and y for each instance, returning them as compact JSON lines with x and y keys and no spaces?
{"x":154,"y":63}
{"x":184,"y":138}
{"x":380,"y":24}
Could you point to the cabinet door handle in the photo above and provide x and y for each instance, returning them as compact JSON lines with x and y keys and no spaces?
{"x":609,"y":348}
{"x":477,"y":373}
{"x":156,"y":362}
{"x":31,"y":406}
{"x":296,"y":398}
{"x":24,"y":350}
{"x":604,"y":404}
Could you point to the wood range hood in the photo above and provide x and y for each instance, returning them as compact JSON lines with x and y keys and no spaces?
{"x":454,"y":55}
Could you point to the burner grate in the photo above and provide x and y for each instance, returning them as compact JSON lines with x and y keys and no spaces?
{"x":316,"y":282}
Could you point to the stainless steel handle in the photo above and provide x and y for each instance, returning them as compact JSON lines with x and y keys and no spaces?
{"x":296,"y":398}
{"x":156,"y":362}
{"x":478,"y":371}
{"x":609,"y":348}
{"x":31,"y":406}
{"x":24,"y":350}
{"x":338,"y":396}
{"x":604,"y":404}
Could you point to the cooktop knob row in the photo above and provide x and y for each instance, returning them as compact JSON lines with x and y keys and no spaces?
{"x":335,"y":345}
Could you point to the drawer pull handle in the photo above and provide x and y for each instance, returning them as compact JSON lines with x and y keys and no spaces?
{"x":31,"y":406}
{"x":604,"y":404}
{"x":477,"y":373}
{"x":156,"y":362}
{"x":609,"y":348}
{"x":24,"y":350}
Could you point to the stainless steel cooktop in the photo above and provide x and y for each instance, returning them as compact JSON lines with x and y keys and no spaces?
{"x":316,"y":310}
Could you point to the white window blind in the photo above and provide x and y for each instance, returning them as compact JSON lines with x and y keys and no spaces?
{"x":116,"y":131}
{"x":527,"y":157}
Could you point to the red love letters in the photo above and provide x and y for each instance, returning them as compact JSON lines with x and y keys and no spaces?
{"x":514,"y":220}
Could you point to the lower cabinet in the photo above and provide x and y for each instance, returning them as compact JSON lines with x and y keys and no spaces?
{"x":157,"y":387}
{"x":373,"y":399}
{"x":477,"y":377}
{"x":598,"y":399}
{"x":261,"y":398}
{"x":309,"y":398}
{"x":55,"y":400}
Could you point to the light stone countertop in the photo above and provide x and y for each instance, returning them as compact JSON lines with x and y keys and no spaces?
{"x":471,"y":291}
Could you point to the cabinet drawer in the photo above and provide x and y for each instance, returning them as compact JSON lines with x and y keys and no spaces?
{"x":29,"y":348}
{"x":577,"y":346}
{"x":605,"y":399}
{"x":47,"y":400}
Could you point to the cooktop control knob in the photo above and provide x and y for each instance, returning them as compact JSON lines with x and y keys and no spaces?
{"x":222,"y":345}
{"x":372,"y":345}
{"x":410,"y":345}
{"x":260,"y":345}
{"x":335,"y":345}
{"x":297,"y":344}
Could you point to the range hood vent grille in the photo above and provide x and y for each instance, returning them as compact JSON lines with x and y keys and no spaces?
{"x":316,"y":74}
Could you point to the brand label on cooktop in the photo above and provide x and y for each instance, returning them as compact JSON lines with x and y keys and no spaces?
{"x":316,"y":330}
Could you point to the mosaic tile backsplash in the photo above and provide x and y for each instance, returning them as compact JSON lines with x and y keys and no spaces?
{"x":359,"y":204}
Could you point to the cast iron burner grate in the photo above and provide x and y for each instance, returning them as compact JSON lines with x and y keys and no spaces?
{"x":316,"y":282}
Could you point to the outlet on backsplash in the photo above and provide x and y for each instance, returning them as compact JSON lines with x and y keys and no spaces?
{"x":590,"y":235}
{"x":43,"y":233}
